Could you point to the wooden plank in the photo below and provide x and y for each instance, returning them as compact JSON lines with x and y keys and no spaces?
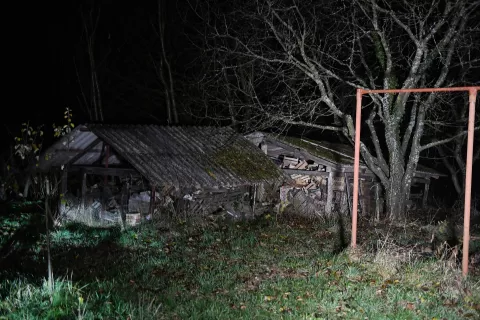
{"x":290,"y":159}
{"x":338,"y":184}
{"x":306,"y":172}
{"x":301,"y":165}
{"x":311,"y":185}
{"x":416,"y":180}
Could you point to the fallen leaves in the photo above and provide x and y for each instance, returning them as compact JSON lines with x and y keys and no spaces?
{"x":410,"y":306}
{"x":269,"y":298}
{"x":241,"y":306}
{"x":220,"y":291}
{"x":450,"y":303}
{"x":285,"y":310}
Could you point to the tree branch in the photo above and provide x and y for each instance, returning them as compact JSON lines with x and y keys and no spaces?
{"x":443,"y":141}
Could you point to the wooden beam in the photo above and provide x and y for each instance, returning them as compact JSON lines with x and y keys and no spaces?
{"x":83,"y":152}
{"x":307,"y":172}
{"x":425,"y":194}
{"x":118,"y":172}
{"x":73,"y":151}
{"x":323,"y":173}
{"x":107,"y":156}
{"x":328,"y":206}
{"x":420,"y":180}
{"x":425,"y":175}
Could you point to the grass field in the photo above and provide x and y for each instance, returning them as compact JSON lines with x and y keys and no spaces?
{"x":270,"y":268}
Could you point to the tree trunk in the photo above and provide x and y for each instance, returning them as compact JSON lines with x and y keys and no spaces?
{"x":397,"y":192}
{"x":166,"y":71}
{"x":27,"y":187}
{"x":397,"y":198}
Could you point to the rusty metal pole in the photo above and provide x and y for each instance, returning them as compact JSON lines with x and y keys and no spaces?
{"x":356,"y":165}
{"x":468,"y":180}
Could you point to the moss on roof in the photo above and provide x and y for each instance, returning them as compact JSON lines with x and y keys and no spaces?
{"x":247,"y":163}
{"x":322,"y":149}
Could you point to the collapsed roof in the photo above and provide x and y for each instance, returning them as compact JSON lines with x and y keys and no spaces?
{"x":338,"y":156}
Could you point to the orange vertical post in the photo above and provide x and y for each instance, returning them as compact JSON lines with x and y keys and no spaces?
{"x":468,"y":181}
{"x":356,"y":166}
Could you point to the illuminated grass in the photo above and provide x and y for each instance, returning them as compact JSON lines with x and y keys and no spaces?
{"x":260,"y":270}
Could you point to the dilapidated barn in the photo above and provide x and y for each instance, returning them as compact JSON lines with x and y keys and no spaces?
{"x":322,"y":175}
{"x":114,"y":171}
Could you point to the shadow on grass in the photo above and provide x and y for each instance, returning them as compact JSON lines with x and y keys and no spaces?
{"x":19,"y":233}
{"x":79,"y":252}
{"x":342,"y":235}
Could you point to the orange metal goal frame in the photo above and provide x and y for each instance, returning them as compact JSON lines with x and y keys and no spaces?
{"x":468,"y":179}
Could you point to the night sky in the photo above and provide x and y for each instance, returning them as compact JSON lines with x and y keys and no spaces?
{"x":49,"y":48}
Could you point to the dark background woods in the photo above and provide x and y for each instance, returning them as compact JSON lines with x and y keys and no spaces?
{"x":49,"y":63}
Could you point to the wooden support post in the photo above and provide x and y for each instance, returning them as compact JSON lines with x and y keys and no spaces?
{"x":152,"y":202}
{"x":124,"y":203}
{"x":84,"y":191}
{"x":105,"y":182}
{"x":106,"y":164}
{"x":328,"y":207}
{"x":347,"y":191}
{"x":63,"y":191}
{"x":425,"y":194}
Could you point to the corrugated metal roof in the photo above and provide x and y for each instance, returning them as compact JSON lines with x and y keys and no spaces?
{"x":66,"y":148}
{"x":175,"y":156}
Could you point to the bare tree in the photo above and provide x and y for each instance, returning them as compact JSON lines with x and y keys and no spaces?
{"x":91,"y":95}
{"x":162,"y":67}
{"x":309,"y":56}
